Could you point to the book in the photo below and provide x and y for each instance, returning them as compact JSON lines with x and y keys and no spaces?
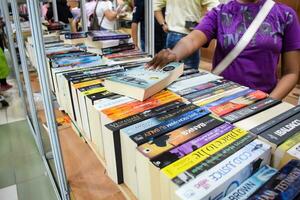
{"x":281,"y":132}
{"x":111,"y":141}
{"x":124,"y":54}
{"x":104,"y":43}
{"x":107,"y":35}
{"x":227,"y":175}
{"x":174,"y":138}
{"x":281,"y":151}
{"x":249,"y":186}
{"x":182,"y":150}
{"x":276,"y":120}
{"x":174,"y":119}
{"x":140,"y":83}
{"x":77,"y":61}
{"x":71,"y":35}
{"x":117,"y":49}
{"x":184,"y":84}
{"x":213,"y":160}
{"x":238,"y":103}
{"x":250,"y":110}
{"x":283,"y":185}
{"x":291,"y":154}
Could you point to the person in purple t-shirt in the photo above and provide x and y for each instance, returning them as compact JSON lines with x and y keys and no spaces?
{"x":256,"y":66}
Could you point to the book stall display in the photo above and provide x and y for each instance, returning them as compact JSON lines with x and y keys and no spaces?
{"x":174,"y":133}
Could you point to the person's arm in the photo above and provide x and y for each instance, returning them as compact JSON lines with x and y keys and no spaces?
{"x":290,"y":72}
{"x":161,"y":20}
{"x":111,"y":15}
{"x":184,"y":48}
{"x":134,"y":31}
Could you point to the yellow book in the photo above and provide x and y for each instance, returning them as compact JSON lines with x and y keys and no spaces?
{"x":202,"y":153}
{"x":87,"y":83}
{"x":292,"y":154}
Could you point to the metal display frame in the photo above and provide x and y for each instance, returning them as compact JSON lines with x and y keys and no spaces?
{"x":84,"y":18}
{"x":149,"y":27}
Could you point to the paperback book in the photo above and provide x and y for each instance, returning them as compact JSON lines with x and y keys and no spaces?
{"x":140,"y":83}
{"x":107,"y":35}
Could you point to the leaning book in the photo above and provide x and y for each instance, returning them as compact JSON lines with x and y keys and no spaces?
{"x":140,"y":83}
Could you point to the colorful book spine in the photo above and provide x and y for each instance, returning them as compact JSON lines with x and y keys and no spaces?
{"x":199,"y":95}
{"x":178,"y":152}
{"x":168,"y":126}
{"x":174,"y":138}
{"x":122,"y":123}
{"x":154,"y":121}
{"x":190,"y":160}
{"x":276,"y":120}
{"x":250,"y":110}
{"x":284,"y":185}
{"x":218,"y":181}
{"x":109,"y":36}
{"x":201,"y":87}
{"x":238,"y":103}
{"x":75,"y":35}
{"x":229,"y":98}
{"x":213,"y":160}
{"x":248,"y":187}
{"x":282,"y":131}
{"x":121,"y":47}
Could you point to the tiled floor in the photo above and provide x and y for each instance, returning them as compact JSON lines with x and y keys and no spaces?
{"x":21,"y":163}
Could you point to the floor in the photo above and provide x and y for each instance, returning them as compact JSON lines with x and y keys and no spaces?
{"x":21,"y":164}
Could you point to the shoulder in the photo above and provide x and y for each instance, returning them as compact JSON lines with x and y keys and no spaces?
{"x":284,"y":10}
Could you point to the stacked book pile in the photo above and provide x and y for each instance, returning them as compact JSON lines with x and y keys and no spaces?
{"x":203,"y":137}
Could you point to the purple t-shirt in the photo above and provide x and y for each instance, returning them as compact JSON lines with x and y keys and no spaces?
{"x":256,"y":66}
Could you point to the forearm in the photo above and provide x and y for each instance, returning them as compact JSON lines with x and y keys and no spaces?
{"x":111,"y":15}
{"x":134,"y":35}
{"x":284,"y":86}
{"x":159,"y":16}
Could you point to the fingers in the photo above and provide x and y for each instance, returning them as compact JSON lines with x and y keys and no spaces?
{"x":161,"y":59}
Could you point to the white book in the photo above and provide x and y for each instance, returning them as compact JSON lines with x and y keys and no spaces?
{"x":229,"y":174}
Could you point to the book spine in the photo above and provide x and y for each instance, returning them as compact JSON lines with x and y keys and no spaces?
{"x":250,"y":110}
{"x":276,"y":120}
{"x":168,"y":126}
{"x":238,"y":103}
{"x":75,"y":35}
{"x":282,"y":131}
{"x":117,"y":49}
{"x":196,"y":96}
{"x":227,"y":175}
{"x":228,"y":98}
{"x":117,"y":125}
{"x":213,"y":160}
{"x":110,"y":37}
{"x":284,"y":185}
{"x":247,"y":188}
{"x":201,"y":87}
{"x":178,"y":152}
{"x":154,"y":121}
{"x":202,"y":153}
{"x":174,"y":138}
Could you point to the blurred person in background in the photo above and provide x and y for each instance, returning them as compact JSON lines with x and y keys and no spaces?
{"x":180,"y":19}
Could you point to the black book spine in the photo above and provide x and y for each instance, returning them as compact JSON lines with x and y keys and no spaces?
{"x":282,"y":131}
{"x":276,"y":120}
{"x":117,"y":49}
{"x":251,"y":110}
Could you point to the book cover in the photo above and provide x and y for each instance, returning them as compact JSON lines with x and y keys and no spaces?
{"x":220,"y":180}
{"x":107,"y":35}
{"x":248,"y":187}
{"x":238,"y":103}
{"x":78,"y":61}
{"x":174,"y":138}
{"x":284,"y":185}
{"x":202,"y":153}
{"x":140,"y":83}
{"x":168,"y":126}
{"x":182,"y":150}
{"x":213,"y":160}
{"x":276,"y":120}
{"x":250,"y":110}
{"x":282,"y":131}
{"x":117,"y":49}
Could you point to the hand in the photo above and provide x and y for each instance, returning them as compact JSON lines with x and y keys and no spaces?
{"x":165,"y":28}
{"x":161,"y":59}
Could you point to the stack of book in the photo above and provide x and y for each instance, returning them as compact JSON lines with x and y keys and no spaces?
{"x":75,"y":38}
{"x":108,"y":42}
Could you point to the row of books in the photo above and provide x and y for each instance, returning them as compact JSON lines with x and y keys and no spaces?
{"x":202,"y":138}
